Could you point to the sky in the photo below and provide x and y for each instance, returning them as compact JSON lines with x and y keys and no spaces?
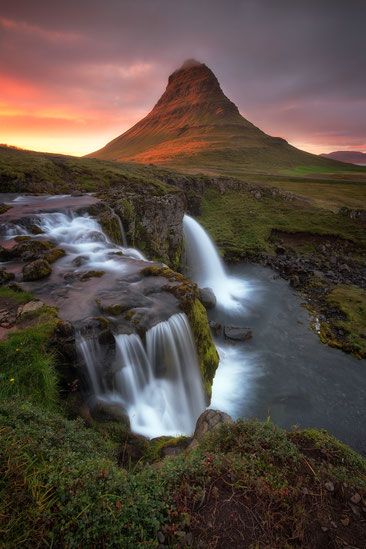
{"x":76,"y":73}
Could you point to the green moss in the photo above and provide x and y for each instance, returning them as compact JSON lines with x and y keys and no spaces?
{"x":351,"y":301}
{"x":54,"y":255}
{"x":40,"y":268}
{"x":187,"y":294}
{"x":208,"y":357}
{"x":91,"y":274}
{"x":111,"y":226}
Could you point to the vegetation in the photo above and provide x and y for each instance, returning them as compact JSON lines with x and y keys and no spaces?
{"x":61,"y":485}
{"x":351,"y":301}
{"x":27,"y":365}
{"x":242,"y":225}
{"x":33,"y":172}
{"x":186,"y":293}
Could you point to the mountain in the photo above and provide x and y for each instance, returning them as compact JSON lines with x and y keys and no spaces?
{"x":352,"y":157}
{"x":196,"y":127}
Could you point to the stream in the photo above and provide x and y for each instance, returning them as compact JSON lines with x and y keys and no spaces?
{"x":283,"y":372}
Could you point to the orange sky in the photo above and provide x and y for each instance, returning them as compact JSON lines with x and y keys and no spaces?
{"x":75,"y":76}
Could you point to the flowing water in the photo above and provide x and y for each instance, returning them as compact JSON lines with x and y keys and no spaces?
{"x":284,"y":372}
{"x":156,"y":382}
{"x":159,"y":386}
{"x":207,"y":269}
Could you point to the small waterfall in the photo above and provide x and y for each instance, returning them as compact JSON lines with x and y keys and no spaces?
{"x":83,"y":235}
{"x":160,"y":387}
{"x":206,"y":267}
{"x":89,"y":353}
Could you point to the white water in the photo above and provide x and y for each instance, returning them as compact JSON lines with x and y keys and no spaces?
{"x":206,"y":267}
{"x":82,"y":235}
{"x":159,"y":387}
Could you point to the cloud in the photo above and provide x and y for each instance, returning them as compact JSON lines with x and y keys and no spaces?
{"x":296,"y":69}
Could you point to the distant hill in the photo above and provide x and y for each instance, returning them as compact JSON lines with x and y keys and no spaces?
{"x":352,"y":157}
{"x":194,"y":127}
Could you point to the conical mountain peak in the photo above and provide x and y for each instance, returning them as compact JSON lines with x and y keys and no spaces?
{"x":196,"y":127}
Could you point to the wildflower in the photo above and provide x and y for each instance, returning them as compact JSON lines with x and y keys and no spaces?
{"x":12,"y":380}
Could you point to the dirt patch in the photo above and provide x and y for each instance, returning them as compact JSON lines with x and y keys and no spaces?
{"x":305,"y":238}
{"x":231,"y":512}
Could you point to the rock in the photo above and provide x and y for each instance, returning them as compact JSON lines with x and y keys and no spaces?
{"x":295,"y":281}
{"x":236,"y":333}
{"x":356,"y":498}
{"x":207,"y":298}
{"x":102,"y":411}
{"x":80,"y":260}
{"x":329,"y":486}
{"x":215,"y":327}
{"x":280,"y":250}
{"x":257,"y":195}
{"x":91,"y":274}
{"x":5,"y":276}
{"x":5,"y":255}
{"x":77,"y":193}
{"x":208,"y":420}
{"x":29,"y":308}
{"x":40,"y":268}
{"x":161,"y":537}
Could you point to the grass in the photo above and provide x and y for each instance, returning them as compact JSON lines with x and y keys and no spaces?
{"x":60,"y":485}
{"x":29,"y":171}
{"x":26,"y":363}
{"x":351,"y":301}
{"x":241,"y":225}
{"x":19,"y":297}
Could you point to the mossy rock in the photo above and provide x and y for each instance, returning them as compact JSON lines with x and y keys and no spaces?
{"x":111,"y":226}
{"x":187,"y":294}
{"x":91,"y":274}
{"x":54,"y":255}
{"x":40,"y":268}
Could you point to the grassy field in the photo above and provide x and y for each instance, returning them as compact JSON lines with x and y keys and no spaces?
{"x":239,"y":223}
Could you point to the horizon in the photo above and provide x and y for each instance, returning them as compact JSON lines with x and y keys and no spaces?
{"x":103,"y":72}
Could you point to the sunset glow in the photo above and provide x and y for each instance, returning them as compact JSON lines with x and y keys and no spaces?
{"x":70,"y":80}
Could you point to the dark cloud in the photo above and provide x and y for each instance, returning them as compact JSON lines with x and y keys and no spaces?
{"x":295,"y":68}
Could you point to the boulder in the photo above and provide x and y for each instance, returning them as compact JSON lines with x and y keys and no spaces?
{"x":215,"y":327}
{"x":104,"y":411}
{"x":208,"y":420}
{"x":207,"y":298}
{"x":29,"y":308}
{"x":236,"y":333}
{"x":40,"y":268}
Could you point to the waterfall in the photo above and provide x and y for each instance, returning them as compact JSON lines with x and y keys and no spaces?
{"x":159,"y":387}
{"x":206,"y":267}
{"x":83,"y":235}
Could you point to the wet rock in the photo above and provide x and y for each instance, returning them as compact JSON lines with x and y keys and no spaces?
{"x":36,"y":270}
{"x":77,"y":193}
{"x":208,"y":420}
{"x":207,"y":298}
{"x":28,"y":249}
{"x":80,"y":260}
{"x":29,"y":308}
{"x":215,"y":327}
{"x":5,"y":255}
{"x":5,"y":276}
{"x":91,"y":274}
{"x":104,"y":411}
{"x":236,"y":333}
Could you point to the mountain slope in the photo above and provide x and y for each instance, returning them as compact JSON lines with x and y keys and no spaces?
{"x":353,"y":157}
{"x":195,"y":126}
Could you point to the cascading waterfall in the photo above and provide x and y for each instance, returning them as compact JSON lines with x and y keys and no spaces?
{"x":82,"y":235}
{"x":206,"y":267}
{"x":159,"y":387}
